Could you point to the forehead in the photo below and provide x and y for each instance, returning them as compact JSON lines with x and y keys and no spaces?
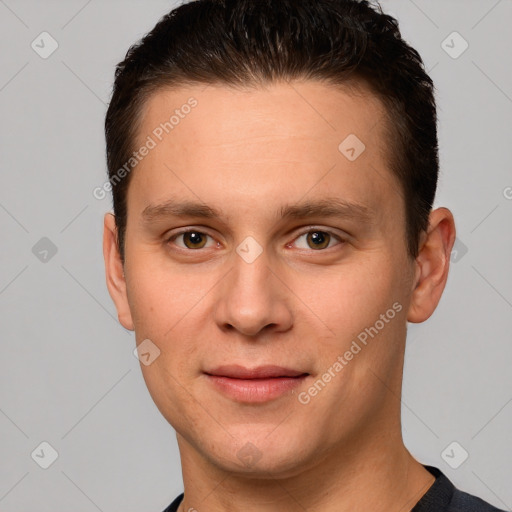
{"x":224,"y":115}
{"x":277,"y":142}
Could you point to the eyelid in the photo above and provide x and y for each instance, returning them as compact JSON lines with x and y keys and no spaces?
{"x":170,"y":238}
{"x":308,"y":229}
{"x":311,"y":229}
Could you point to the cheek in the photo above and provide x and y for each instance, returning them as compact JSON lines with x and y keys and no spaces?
{"x":351,"y":296}
{"x":159,"y":297}
{"x":165,"y":304}
{"x":162,"y":306}
{"x":365,"y":307}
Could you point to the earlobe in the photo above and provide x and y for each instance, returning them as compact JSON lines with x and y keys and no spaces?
{"x":114,"y":272}
{"x":432,"y":265}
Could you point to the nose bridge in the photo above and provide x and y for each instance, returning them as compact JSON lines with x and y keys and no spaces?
{"x":250,"y":275}
{"x":250,"y":298}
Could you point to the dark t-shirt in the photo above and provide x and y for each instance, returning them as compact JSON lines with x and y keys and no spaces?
{"x":442,"y":496}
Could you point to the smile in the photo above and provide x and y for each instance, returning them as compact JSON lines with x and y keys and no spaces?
{"x":256,"y":385}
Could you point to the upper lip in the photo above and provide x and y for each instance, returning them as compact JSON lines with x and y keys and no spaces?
{"x":261,"y":372}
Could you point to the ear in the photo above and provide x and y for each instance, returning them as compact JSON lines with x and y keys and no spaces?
{"x":432,"y":265}
{"x":114,"y":272}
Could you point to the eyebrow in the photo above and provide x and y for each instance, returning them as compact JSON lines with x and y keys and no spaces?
{"x":326,"y":207}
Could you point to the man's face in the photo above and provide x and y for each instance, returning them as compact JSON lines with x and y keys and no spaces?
{"x":252,"y":288}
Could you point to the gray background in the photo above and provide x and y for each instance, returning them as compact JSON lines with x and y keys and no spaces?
{"x":67,"y":372}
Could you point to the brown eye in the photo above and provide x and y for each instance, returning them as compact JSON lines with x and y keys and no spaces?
{"x":194,"y":239}
{"x":318,"y":239}
{"x":190,"y":239}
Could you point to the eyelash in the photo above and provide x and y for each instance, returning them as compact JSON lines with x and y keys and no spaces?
{"x":309,"y":230}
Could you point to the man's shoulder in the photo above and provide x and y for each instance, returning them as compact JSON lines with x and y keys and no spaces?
{"x":443,"y":496}
{"x":465,"y":502}
{"x":173,"y":507}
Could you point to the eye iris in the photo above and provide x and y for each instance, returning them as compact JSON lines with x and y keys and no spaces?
{"x":319,"y":238}
{"x":197,"y":240}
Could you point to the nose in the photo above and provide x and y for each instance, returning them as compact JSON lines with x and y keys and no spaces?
{"x":253,"y":298}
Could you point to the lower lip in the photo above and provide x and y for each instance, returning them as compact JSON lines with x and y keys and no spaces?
{"x":255,"y":390}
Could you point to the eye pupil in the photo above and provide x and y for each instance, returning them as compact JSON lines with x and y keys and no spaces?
{"x":315,"y":239}
{"x":319,"y":238}
{"x":195,"y":239}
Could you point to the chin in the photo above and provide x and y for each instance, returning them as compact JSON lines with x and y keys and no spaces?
{"x":263,"y":458}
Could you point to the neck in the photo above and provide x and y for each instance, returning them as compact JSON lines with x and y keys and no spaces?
{"x":379,"y":475}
